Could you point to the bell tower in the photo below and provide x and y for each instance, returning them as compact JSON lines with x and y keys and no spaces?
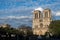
{"x":36,"y":22}
{"x":41,"y":21}
{"x":47,"y":17}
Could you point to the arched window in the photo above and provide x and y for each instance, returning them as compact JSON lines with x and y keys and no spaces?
{"x":41,"y":25}
{"x":39,"y":15}
{"x":36,"y":15}
{"x":46,"y":14}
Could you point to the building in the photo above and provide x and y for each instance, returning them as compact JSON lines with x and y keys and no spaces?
{"x":25,"y":29}
{"x":41,"y":21}
{"x":4,"y":25}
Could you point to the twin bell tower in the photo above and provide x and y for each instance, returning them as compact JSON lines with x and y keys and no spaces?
{"x":41,"y":21}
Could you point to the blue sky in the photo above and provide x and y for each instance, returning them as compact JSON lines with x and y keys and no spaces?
{"x":22,"y":9}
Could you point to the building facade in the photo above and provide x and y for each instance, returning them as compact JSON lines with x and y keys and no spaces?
{"x":41,"y":21}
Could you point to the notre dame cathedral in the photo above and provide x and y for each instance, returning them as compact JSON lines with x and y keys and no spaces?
{"x":41,"y":21}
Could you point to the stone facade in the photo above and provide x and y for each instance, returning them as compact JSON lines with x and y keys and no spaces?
{"x":41,"y":21}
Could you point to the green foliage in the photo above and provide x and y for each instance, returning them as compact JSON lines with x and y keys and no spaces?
{"x":27,"y":29}
{"x":55,"y":27}
{"x":9,"y":30}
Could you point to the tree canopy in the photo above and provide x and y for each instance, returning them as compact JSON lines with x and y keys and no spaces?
{"x":54,"y":27}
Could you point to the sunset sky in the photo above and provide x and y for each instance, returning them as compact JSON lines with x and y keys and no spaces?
{"x":20,"y":11}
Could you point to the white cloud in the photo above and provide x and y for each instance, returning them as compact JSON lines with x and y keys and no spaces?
{"x":19,"y":17}
{"x":39,"y":8}
{"x":58,"y":13}
{"x":16,"y":17}
{"x":15,"y":10}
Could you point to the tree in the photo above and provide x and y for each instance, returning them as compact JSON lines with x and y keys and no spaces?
{"x":8,"y":29}
{"x":54,"y":27}
{"x":25,"y":30}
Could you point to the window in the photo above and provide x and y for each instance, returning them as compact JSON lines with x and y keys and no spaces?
{"x":39,"y":15}
{"x":41,"y":25}
{"x":46,"y":14}
{"x":36,"y":15}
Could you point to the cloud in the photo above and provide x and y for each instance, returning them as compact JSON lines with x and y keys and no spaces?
{"x":17,"y":9}
{"x":58,"y":13}
{"x":16,"y":17}
{"x":39,"y":8}
{"x":19,"y":17}
{"x":27,"y":6}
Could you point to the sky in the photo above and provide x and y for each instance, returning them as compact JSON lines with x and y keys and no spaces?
{"x":20,"y":11}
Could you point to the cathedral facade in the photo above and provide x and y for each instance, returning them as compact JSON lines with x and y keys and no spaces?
{"x":41,"y":21}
